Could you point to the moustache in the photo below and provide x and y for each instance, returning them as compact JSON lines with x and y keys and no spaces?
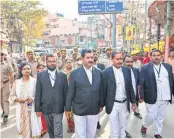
{"x":90,"y":62}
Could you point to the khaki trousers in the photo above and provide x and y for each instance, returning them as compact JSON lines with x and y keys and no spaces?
{"x":5,"y":92}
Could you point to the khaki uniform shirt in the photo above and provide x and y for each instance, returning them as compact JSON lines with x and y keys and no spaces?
{"x":13,"y":64}
{"x":61,"y":64}
{"x":6,"y":69}
{"x":33,"y":67}
{"x":106,"y":61}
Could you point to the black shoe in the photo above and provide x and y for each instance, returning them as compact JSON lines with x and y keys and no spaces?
{"x":158,"y":136}
{"x":128,"y":135}
{"x":138,"y":115}
{"x":2,"y":115}
{"x":98,"y":125}
{"x":5,"y":118}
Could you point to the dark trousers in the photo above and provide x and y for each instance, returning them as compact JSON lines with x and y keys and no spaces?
{"x":54,"y":125}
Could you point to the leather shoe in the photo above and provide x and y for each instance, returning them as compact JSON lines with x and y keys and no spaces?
{"x":5,"y":118}
{"x":138,"y":115}
{"x":128,"y":135}
{"x":98,"y":125}
{"x":158,"y":136}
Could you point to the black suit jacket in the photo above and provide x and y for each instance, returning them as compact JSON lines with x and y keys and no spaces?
{"x":101,"y":66}
{"x":137,"y":79}
{"x":50,"y":99}
{"x":86,"y":99}
{"x":110,"y":88}
{"x":148,"y":86}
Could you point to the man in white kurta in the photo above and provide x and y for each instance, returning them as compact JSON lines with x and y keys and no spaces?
{"x":119,"y":112}
{"x":156,"y":112}
{"x":156,"y":84}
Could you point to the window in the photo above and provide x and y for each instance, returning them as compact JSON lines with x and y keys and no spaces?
{"x":45,"y":33}
{"x":55,"y":26}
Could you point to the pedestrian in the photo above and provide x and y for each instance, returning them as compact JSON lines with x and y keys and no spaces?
{"x":119,"y":93}
{"x":85,"y":92}
{"x":75,"y":50}
{"x":40,"y":68}
{"x":97,"y":64}
{"x":135,"y":55}
{"x":128,"y":62}
{"x":146,"y":59}
{"x":51,"y":90}
{"x":107,"y":61}
{"x":63,"y":59}
{"x":59,"y":60}
{"x":7,"y":79}
{"x":9,"y":60}
{"x":74,"y":61}
{"x":156,"y":88}
{"x":79,"y":62}
{"x":171,"y":60}
{"x":31,"y":60}
{"x":68,"y":69}
{"x":23,"y":91}
{"x":42,"y":59}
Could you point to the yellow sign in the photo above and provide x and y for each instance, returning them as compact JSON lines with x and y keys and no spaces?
{"x":129,"y":33}
{"x":119,"y":29}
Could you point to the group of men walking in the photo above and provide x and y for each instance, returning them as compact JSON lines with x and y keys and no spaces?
{"x":114,"y":84}
{"x":116,"y":88}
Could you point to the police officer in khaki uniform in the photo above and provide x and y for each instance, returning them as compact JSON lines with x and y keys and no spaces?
{"x":107,"y":61}
{"x":59,"y":60}
{"x":136,"y":63}
{"x":32,"y":61}
{"x":7,"y":79}
{"x":63,"y":60}
{"x":9,"y":60}
{"x":74,"y":59}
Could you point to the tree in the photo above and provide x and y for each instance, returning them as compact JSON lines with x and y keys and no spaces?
{"x":23,"y":20}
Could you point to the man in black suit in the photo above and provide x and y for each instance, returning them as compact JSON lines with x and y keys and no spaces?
{"x":118,"y":92}
{"x":156,"y":88}
{"x":85,"y":95}
{"x":51,"y":90}
{"x":128,"y":62}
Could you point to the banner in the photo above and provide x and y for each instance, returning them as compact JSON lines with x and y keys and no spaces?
{"x":129,"y":33}
{"x":119,"y":29}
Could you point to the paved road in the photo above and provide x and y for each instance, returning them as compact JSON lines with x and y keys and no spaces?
{"x":9,"y":131}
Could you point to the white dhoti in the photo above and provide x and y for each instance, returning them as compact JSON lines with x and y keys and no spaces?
{"x":155,"y":112}
{"x":118,"y":118}
{"x":85,"y":126}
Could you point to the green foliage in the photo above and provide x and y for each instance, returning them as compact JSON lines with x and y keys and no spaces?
{"x":23,"y":20}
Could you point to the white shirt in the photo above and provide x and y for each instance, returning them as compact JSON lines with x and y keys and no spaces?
{"x":89,"y":74}
{"x":120,"y":84}
{"x":133,"y":81}
{"x":163,"y":86}
{"x":52,"y":75}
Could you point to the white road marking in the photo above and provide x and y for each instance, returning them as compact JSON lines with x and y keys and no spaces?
{"x":8,"y":127}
